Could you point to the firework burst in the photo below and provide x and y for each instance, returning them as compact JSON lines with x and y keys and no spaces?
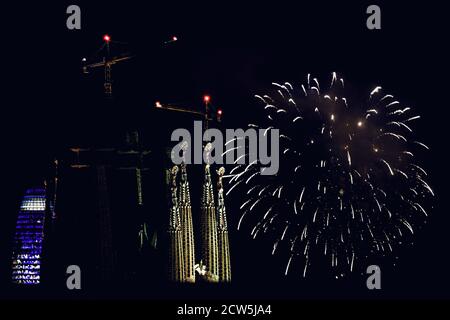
{"x":349,"y":184}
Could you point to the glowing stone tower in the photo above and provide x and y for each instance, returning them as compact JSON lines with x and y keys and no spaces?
{"x":187,"y":227}
{"x":28,"y":239}
{"x":214,"y":264}
{"x":222,"y":232}
{"x":176,"y":256}
{"x":209,"y":230}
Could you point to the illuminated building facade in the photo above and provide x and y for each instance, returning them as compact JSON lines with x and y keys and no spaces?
{"x":28,"y":239}
{"x":214,"y":265}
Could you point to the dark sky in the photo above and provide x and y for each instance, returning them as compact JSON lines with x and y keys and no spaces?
{"x":231,"y":51}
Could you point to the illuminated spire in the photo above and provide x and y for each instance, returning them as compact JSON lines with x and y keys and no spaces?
{"x":223,"y":241}
{"x":209,"y":227}
{"x":177,"y":271}
{"x":187,"y":227}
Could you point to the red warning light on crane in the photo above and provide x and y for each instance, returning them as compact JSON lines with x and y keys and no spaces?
{"x":219,"y":115}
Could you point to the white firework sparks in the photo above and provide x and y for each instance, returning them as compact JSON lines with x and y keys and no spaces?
{"x":349,"y":184}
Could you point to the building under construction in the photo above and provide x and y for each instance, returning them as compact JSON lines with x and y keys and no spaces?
{"x":105,"y":207}
{"x":214,"y":263}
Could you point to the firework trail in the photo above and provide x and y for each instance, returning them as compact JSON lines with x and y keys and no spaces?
{"x":349,"y":185}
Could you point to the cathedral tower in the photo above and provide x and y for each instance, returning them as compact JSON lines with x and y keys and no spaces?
{"x":187,"y":227}
{"x":176,"y":258}
{"x":209,"y":230}
{"x":222,"y":232}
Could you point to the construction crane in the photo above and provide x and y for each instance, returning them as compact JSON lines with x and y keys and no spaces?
{"x":206,"y":114}
{"x":107,"y":62}
{"x":136,"y":151}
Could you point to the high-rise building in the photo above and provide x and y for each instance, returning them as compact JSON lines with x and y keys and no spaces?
{"x":222,"y":232}
{"x":28,"y":239}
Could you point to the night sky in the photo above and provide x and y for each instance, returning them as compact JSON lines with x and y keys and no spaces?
{"x":230,"y":51}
